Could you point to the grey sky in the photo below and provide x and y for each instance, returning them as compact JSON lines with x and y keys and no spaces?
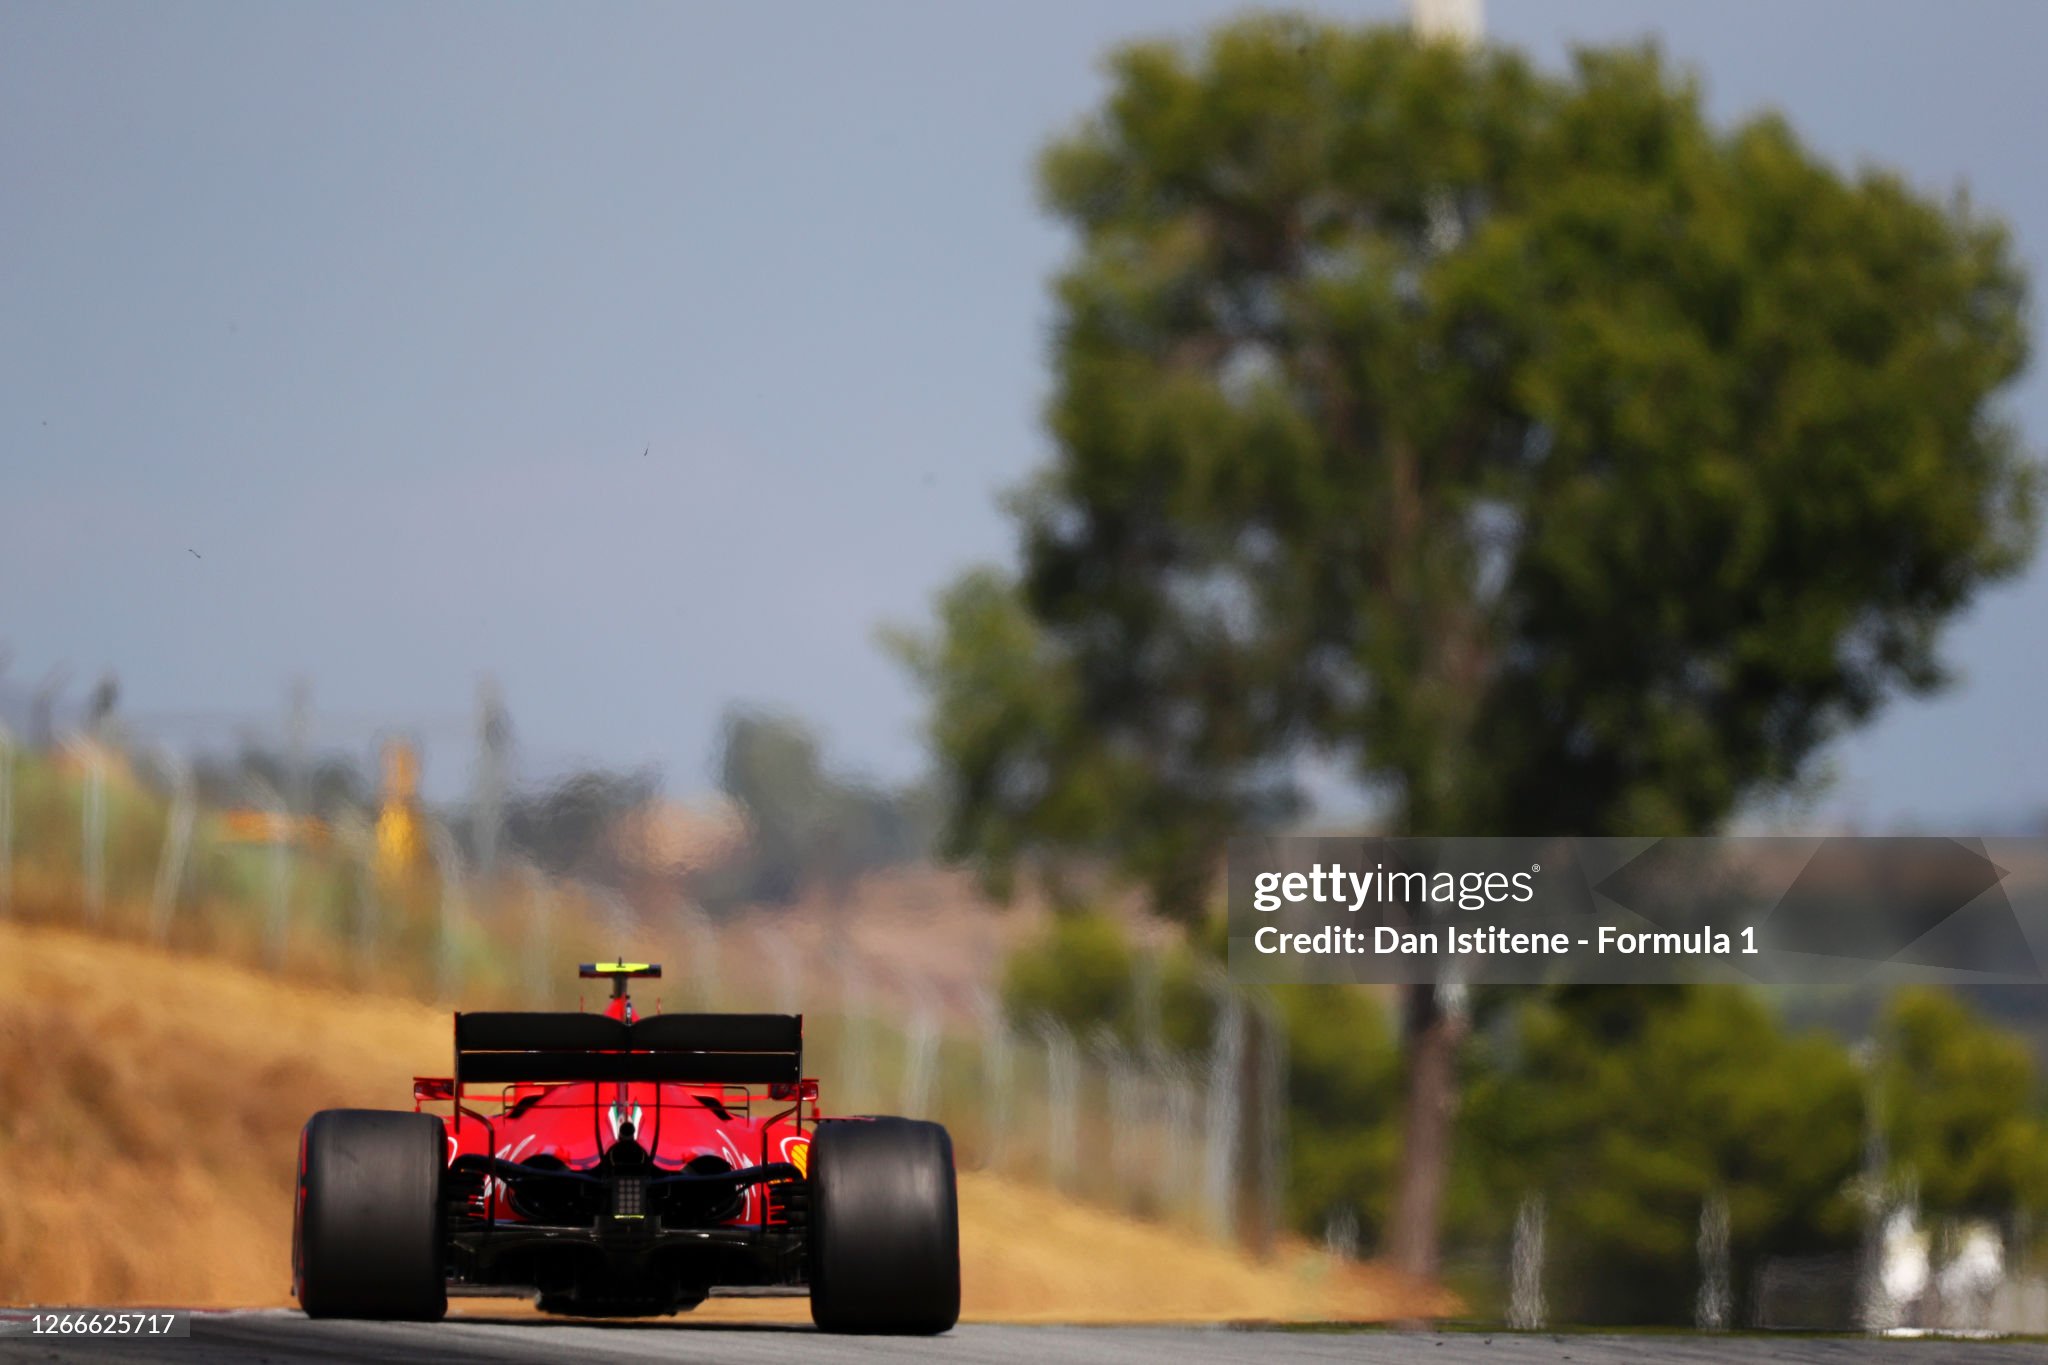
{"x":376,"y":308}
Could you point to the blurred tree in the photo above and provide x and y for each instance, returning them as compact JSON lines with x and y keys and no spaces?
{"x":1083,"y":973}
{"x":771,"y":768}
{"x":1628,"y":1108}
{"x":805,"y":825}
{"x":1962,"y":1111}
{"x":1080,"y":974}
{"x":1343,"y":1120}
{"x":563,"y":827}
{"x":1560,"y":463}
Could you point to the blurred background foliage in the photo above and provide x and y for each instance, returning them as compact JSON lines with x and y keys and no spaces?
{"x":1625,"y":1109}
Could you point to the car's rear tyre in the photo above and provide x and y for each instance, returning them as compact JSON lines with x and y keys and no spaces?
{"x":367,"y":1229}
{"x":885,"y":1227}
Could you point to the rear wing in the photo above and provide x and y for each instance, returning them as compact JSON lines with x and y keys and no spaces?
{"x":509,"y":1048}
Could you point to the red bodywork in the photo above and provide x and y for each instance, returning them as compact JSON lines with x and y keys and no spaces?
{"x":576,"y":1122}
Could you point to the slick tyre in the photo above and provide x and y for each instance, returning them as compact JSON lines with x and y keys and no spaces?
{"x":885,"y":1228}
{"x":367,"y":1230}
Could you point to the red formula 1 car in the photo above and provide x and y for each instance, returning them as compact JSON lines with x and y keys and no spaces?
{"x":614,"y":1165}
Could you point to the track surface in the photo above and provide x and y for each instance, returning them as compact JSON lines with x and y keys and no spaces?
{"x":279,"y":1336}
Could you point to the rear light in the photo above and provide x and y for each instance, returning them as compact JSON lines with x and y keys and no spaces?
{"x":629,"y":1197}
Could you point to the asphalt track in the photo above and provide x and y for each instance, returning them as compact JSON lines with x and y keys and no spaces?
{"x":246,"y":1338}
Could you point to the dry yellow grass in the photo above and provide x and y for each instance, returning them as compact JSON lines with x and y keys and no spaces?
{"x":149,"y":1106}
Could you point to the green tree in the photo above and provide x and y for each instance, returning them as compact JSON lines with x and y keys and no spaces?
{"x":1629,"y":1109}
{"x":1961,"y":1109}
{"x":1084,"y":973}
{"x":770,"y":767}
{"x":1559,"y":462}
{"x":805,"y":825}
{"x":563,"y":827}
{"x":1343,"y":1125}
